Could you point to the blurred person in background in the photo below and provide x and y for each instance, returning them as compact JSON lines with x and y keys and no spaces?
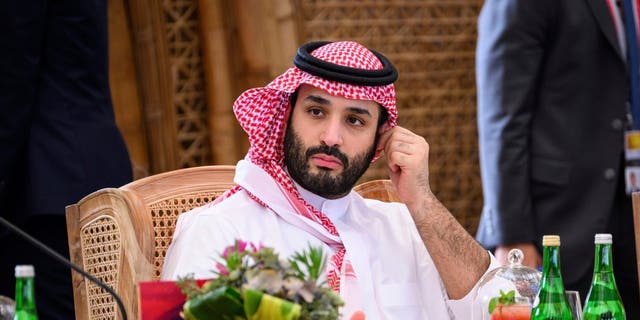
{"x":553,"y":109}
{"x":58,"y":135}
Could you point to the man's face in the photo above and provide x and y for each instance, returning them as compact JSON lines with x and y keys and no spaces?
{"x":330,"y":141}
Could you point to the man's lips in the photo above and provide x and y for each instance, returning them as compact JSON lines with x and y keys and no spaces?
{"x":326,"y":161}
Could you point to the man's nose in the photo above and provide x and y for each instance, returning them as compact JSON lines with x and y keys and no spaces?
{"x":332,"y":133}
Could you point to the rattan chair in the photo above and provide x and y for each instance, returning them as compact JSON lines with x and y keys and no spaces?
{"x":382,"y":190}
{"x":120,"y":235}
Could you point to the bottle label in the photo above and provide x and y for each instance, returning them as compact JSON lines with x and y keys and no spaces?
{"x":632,"y":165}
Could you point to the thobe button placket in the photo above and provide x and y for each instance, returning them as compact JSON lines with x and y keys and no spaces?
{"x":609,"y":174}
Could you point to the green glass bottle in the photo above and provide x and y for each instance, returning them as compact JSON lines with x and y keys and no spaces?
{"x":603,"y":300}
{"x":551,"y":303}
{"x":25,"y":293}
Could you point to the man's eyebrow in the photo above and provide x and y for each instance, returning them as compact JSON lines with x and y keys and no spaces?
{"x":318,"y":99}
{"x":359,"y":110}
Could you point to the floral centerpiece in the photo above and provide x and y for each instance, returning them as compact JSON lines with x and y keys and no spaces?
{"x":254,"y":283}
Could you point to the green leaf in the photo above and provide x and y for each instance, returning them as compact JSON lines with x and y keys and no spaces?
{"x":259,"y":306}
{"x":505,"y":299}
{"x":508,"y":298}
{"x":188,"y":286}
{"x":251,"y":302}
{"x":492,"y":304}
{"x":220,"y":304}
{"x":313,"y":261}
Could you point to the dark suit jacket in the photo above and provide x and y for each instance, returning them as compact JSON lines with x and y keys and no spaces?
{"x":552,"y":104}
{"x":58,"y":137}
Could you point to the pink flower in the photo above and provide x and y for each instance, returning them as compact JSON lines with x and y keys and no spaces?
{"x":222,"y":269}
{"x":227,"y":251}
{"x":239,"y":247}
{"x":242,"y":245}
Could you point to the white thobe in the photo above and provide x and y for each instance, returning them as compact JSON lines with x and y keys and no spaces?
{"x":396,"y":276}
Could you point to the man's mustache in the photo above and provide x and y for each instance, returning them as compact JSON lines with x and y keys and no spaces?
{"x":332,"y":151}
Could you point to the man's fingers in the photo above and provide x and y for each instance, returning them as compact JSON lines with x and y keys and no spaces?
{"x":401,"y":146}
{"x":393,"y":161}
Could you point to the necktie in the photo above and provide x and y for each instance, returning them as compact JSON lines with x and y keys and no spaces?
{"x":632,"y":57}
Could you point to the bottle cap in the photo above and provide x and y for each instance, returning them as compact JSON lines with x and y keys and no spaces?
{"x":25,"y":271}
{"x":603,"y":238}
{"x":551,"y":240}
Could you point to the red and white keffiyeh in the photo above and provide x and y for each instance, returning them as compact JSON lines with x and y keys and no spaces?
{"x":263,"y":114}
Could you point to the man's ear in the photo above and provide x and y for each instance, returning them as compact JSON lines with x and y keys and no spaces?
{"x":379,"y":148}
{"x":377,"y":154}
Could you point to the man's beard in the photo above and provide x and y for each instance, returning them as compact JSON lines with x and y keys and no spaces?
{"x":323,"y":183}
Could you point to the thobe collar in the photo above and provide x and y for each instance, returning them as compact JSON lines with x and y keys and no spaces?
{"x":334,"y":209}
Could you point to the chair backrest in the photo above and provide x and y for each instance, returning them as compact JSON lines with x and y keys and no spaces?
{"x":120,"y":235}
{"x":636,"y":227}
{"x":382,"y":190}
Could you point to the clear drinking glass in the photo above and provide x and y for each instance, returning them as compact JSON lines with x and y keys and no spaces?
{"x":574,"y":303}
{"x":7,"y":308}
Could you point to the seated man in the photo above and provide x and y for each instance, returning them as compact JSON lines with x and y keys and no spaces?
{"x":314,"y":131}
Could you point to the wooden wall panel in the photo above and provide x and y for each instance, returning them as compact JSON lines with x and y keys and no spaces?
{"x":187,"y":85}
{"x":124,"y":88}
{"x":217,"y":49}
{"x":153,"y":68}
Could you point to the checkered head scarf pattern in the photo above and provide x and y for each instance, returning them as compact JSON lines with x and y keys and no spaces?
{"x":263,"y":114}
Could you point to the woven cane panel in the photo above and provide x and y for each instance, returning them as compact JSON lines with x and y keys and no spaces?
{"x":164,"y":215}
{"x":432,"y":44}
{"x":101,"y":253}
{"x":181,"y":22}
